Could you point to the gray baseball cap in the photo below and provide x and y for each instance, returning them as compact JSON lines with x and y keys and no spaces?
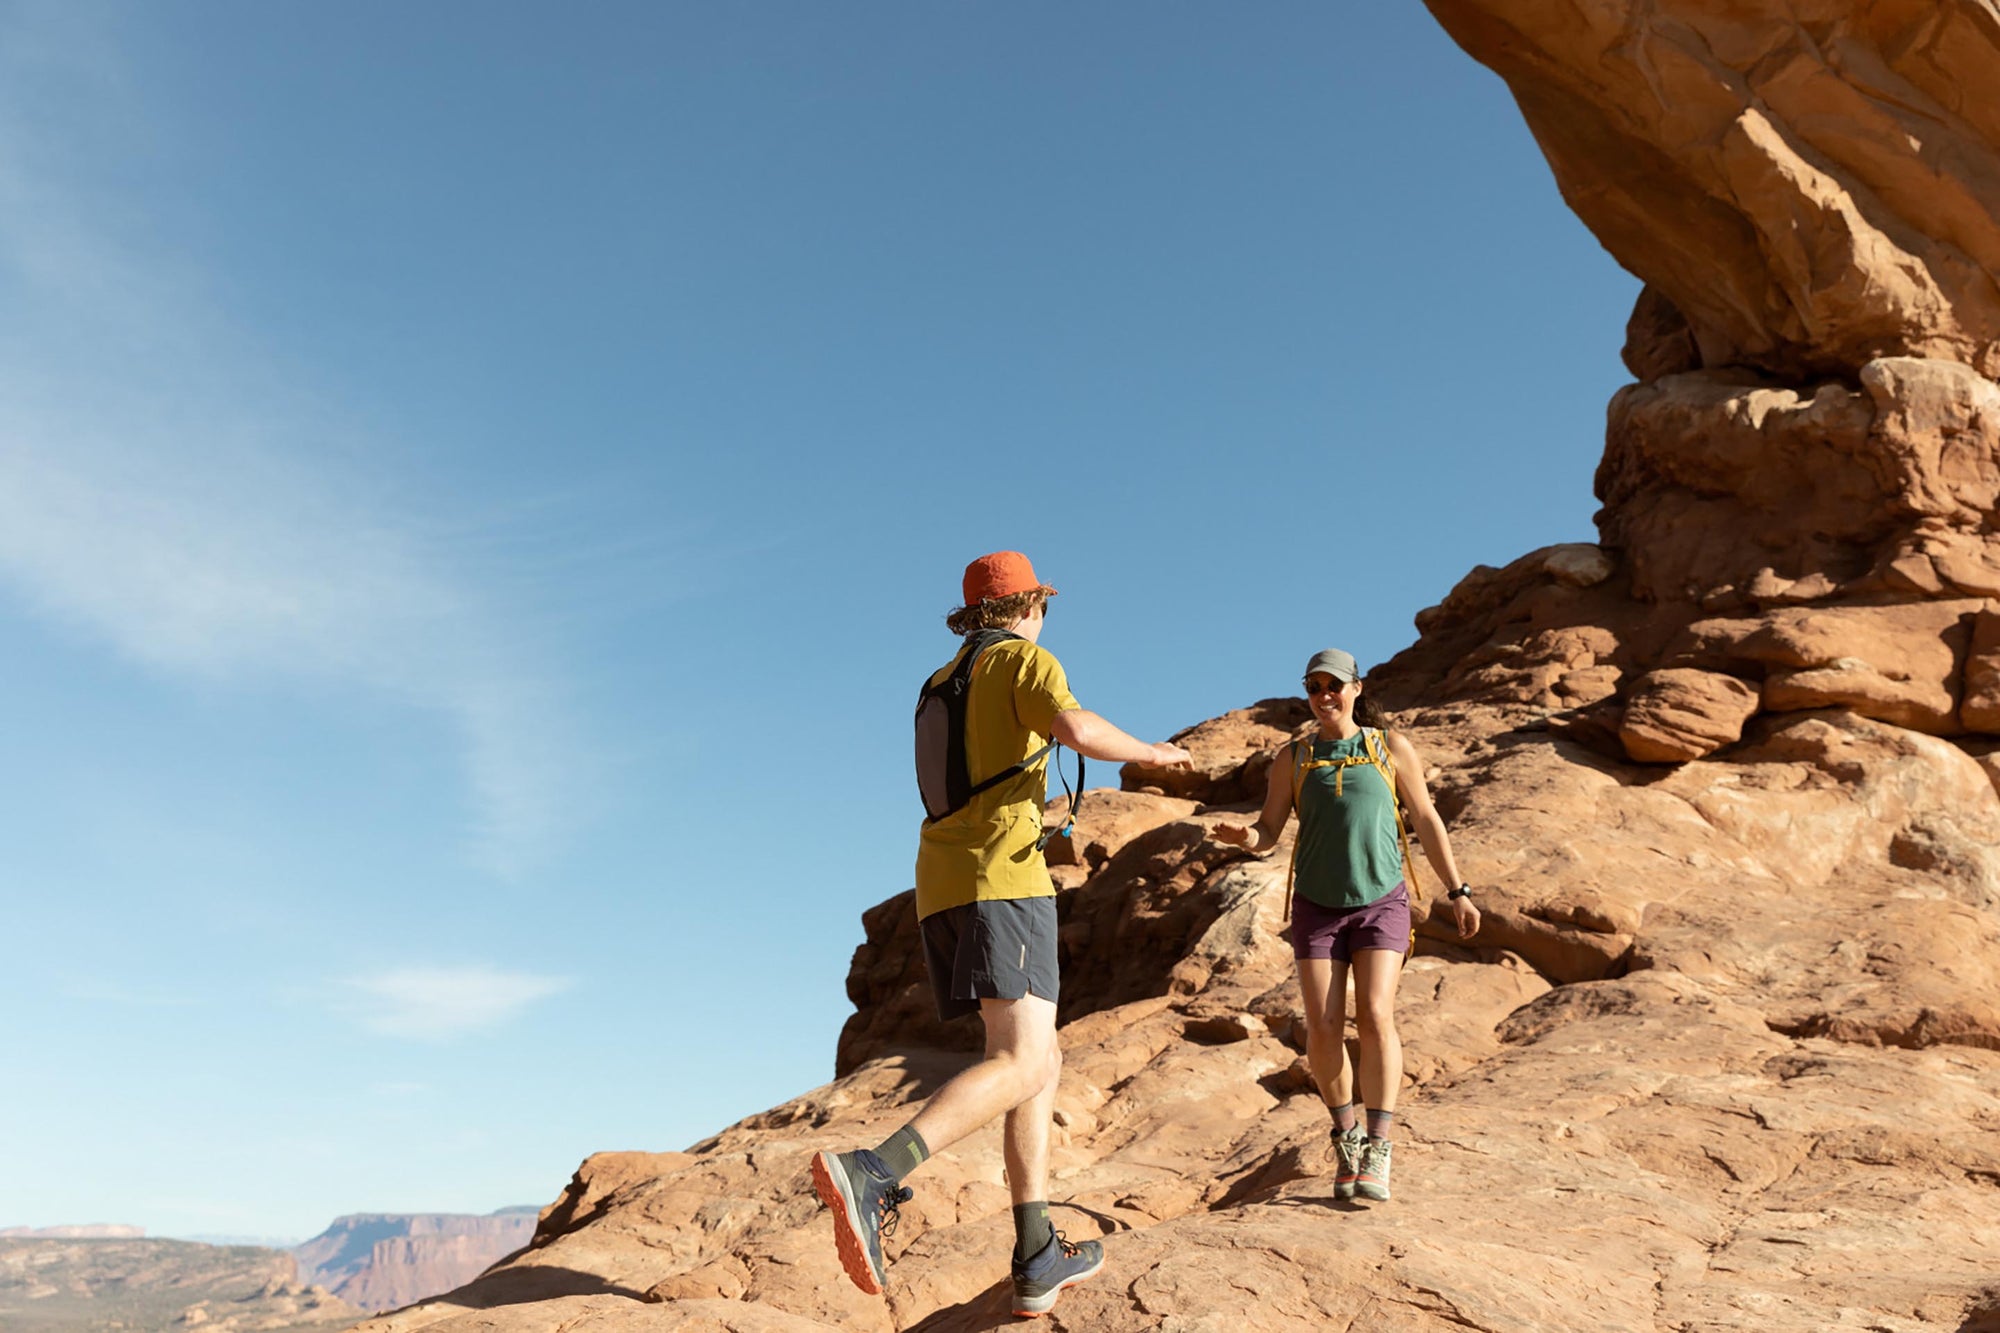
{"x":1335,"y":663}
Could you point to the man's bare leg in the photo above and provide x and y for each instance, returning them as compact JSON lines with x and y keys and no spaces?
{"x":863,"y":1188}
{"x":1027,"y":1143}
{"x":1022,"y":1059}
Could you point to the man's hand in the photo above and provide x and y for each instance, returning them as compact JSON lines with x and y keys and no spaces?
{"x":1092,"y":737}
{"x":1467,"y":917}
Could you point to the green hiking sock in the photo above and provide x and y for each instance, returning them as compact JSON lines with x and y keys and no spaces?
{"x":903,"y":1152}
{"x":1032,"y":1230}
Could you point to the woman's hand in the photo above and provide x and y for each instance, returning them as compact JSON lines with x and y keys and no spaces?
{"x":1236,"y":835}
{"x":1466,"y":915}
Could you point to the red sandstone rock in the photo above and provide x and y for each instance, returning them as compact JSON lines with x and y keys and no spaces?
{"x":1678,"y":714}
{"x":1107,"y":820}
{"x":1807,"y":941}
{"x":1782,"y":494}
{"x":1658,"y":341}
{"x":1231,"y":754}
{"x":1809,"y":184}
{"x":1901,"y":663}
{"x":1980,"y":710}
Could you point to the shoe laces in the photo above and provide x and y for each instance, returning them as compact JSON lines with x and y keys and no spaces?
{"x":892,"y":1200}
{"x":1069,"y":1251}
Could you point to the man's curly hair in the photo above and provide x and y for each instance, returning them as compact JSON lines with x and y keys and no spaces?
{"x":995,"y":612}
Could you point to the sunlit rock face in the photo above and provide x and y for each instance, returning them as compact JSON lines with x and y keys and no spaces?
{"x":1810,"y":185}
{"x":1802,"y":492}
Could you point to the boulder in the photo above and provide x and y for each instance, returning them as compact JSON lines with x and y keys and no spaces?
{"x":1899,"y":662}
{"x":1107,"y":819}
{"x":1716,"y":483}
{"x":1678,"y":713}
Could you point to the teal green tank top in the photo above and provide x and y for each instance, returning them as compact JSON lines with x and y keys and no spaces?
{"x":1349,"y":854}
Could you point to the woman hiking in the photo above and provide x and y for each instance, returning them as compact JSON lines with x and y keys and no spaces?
{"x":1357,"y":788}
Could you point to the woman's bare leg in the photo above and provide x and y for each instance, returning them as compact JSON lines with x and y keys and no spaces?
{"x":1323,"y":986}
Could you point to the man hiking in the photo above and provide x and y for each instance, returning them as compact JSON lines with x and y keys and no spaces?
{"x":987,"y":910}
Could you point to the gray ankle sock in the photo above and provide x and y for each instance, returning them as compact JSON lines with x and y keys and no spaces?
{"x":1032,"y":1230}
{"x":903,"y":1152}
{"x":1379,"y":1122}
{"x":1345,"y":1117}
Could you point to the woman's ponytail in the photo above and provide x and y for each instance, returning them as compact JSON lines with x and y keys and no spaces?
{"x":1368,"y":714}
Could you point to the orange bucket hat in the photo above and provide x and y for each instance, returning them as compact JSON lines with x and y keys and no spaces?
{"x":1001,"y":574}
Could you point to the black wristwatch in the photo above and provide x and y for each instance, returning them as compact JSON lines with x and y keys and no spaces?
{"x":1462,"y":891}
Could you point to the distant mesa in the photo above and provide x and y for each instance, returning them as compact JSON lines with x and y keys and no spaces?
{"x":104,"y":1275}
{"x":379,"y":1261}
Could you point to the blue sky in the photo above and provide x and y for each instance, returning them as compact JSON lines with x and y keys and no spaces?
{"x":480,"y":486}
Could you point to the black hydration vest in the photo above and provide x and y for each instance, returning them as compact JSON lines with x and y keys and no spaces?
{"x":943,"y":777}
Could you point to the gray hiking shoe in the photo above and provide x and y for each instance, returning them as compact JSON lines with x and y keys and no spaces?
{"x":1347,"y":1160}
{"x":1372,"y":1181}
{"x":1059,"y":1264}
{"x":863,"y":1197}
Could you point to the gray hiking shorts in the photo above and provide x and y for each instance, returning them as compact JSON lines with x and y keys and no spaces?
{"x":990,"y":951}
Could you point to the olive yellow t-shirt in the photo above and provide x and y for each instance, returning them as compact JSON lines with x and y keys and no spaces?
{"x":987,"y":850}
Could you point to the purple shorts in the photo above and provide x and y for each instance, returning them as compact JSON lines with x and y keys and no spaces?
{"x":1339,"y":932}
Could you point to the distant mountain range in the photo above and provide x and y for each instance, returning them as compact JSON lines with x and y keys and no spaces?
{"x":67,"y":1279}
{"x":61,"y":1284}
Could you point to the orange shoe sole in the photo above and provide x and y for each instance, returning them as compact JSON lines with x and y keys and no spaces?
{"x":846,"y":1237}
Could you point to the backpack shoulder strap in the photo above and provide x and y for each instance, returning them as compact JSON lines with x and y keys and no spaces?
{"x":955,"y":688}
{"x":1301,"y":758}
{"x":1378,"y":754}
{"x":1377,"y":741}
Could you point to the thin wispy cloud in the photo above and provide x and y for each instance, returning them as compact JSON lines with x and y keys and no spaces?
{"x":438,"y":1003}
{"x":176,"y":490}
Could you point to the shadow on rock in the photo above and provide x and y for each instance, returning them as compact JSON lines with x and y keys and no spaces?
{"x":523,"y":1286}
{"x":1326,"y":1201}
{"x":990,"y":1309}
{"x":1984,"y":1316}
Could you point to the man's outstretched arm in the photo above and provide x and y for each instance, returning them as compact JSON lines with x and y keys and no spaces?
{"x":1092,"y":737}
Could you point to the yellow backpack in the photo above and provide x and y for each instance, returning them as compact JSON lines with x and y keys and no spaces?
{"x":1376,"y":743}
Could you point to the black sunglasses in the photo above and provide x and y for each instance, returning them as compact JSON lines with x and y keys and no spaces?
{"x":1327,"y":685}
